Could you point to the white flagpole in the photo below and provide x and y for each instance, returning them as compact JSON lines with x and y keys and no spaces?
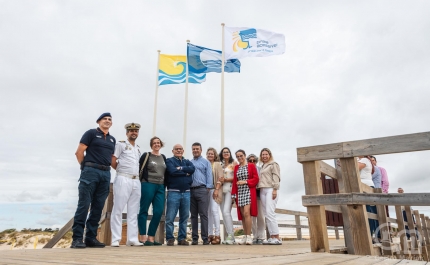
{"x":186,"y":105}
{"x":154,"y":125}
{"x":222,"y":88}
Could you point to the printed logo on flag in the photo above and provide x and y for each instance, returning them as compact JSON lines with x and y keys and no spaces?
{"x":252,"y":42}
{"x":173,"y":71}
{"x":241,"y":39}
{"x":205,"y":60}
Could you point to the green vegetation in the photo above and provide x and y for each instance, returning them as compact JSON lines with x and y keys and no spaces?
{"x":27,"y":237}
{"x":238,"y":232}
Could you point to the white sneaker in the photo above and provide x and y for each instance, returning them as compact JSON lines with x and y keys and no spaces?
{"x":229,"y":240}
{"x":267,"y":241}
{"x":275,"y":241}
{"x":132,"y":243}
{"x":248,"y":240}
{"x":115,"y":244}
{"x":242,"y":241}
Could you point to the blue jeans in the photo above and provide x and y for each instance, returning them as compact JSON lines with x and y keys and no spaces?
{"x":93,"y":189}
{"x":177,"y":201}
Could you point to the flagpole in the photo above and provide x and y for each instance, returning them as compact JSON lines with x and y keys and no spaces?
{"x":154,"y":125}
{"x":222,"y":88}
{"x":186,"y":104}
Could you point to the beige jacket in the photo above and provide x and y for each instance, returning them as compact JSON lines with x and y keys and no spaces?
{"x":217,"y":172}
{"x":270,"y":176}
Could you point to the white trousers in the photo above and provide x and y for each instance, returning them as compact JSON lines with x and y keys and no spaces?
{"x":125,"y":191}
{"x":213,"y":215}
{"x":269,"y":207}
{"x":258,"y":223}
{"x":226,"y":212}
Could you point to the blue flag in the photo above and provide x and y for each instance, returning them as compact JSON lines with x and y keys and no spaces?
{"x":204,"y":60}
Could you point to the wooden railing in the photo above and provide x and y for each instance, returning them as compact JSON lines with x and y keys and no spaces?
{"x":105,"y":234}
{"x":354,"y":195}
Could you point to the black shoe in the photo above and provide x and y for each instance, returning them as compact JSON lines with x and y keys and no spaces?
{"x":205,"y":242}
{"x":77,"y":243}
{"x":195,"y":243}
{"x":94,"y":243}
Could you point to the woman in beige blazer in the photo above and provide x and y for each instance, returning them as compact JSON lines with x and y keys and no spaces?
{"x":215,"y":197}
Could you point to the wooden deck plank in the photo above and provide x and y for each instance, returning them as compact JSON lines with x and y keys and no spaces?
{"x":291,"y":252}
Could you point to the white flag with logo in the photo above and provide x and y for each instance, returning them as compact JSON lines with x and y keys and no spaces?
{"x":251,"y":42}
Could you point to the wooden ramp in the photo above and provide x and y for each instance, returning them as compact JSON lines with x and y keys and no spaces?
{"x":291,"y":252}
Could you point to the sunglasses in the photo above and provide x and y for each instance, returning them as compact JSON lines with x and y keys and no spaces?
{"x":251,"y":160}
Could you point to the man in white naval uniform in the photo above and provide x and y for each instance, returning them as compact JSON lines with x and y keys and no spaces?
{"x":126,"y":187}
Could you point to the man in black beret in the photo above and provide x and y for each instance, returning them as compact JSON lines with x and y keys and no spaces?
{"x":94,"y":154}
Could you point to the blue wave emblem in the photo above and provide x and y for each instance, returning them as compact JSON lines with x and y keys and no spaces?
{"x":194,"y":78}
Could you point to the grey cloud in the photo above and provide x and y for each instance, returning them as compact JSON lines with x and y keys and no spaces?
{"x":352,"y":70}
{"x":46,"y":222}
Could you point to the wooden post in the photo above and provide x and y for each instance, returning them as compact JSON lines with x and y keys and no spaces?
{"x":420,"y":235}
{"x":316,"y":214}
{"x":105,"y":232}
{"x":160,"y":235}
{"x":415,"y":251}
{"x":383,"y":228}
{"x":426,"y":227}
{"x":355,"y":223}
{"x":336,"y":232}
{"x":401,"y":229}
{"x":298,"y":229}
{"x":51,"y":243}
{"x":425,"y":234}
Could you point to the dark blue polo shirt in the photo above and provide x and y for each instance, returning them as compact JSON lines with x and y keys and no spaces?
{"x":100,"y":147}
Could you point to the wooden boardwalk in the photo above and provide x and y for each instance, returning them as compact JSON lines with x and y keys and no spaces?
{"x":291,"y":252}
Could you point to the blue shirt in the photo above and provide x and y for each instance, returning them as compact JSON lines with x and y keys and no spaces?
{"x":100,"y":147}
{"x":203,"y":174}
{"x":376,"y":177}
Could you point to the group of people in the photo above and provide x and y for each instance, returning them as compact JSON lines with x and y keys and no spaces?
{"x":202,"y":186}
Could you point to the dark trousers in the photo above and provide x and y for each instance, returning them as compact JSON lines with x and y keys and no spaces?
{"x":373,"y":224}
{"x":152,"y":194}
{"x":93,"y":190}
{"x":199,"y":205}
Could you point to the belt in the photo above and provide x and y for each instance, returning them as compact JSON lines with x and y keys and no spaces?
{"x":128,"y":175}
{"x":198,"y":187}
{"x":94,"y":165}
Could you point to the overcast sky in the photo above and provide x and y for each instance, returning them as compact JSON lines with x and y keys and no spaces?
{"x":352,"y":70}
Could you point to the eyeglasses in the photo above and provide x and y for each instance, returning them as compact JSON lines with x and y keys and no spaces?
{"x":178,"y":149}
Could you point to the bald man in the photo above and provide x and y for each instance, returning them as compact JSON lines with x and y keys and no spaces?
{"x":178,"y":182}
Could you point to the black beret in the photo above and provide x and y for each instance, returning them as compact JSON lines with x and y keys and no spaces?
{"x":106,"y":114}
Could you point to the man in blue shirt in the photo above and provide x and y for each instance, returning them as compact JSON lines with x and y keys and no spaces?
{"x":94,"y":154}
{"x":202,"y":183}
{"x":178,"y":182}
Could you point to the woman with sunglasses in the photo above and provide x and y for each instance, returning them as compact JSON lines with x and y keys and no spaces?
{"x":227,"y":164}
{"x":269,"y":185}
{"x":258,"y":223}
{"x":244,"y":191}
{"x":215,"y":197}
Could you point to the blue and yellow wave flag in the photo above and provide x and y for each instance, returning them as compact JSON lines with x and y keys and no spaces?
{"x":204,"y":60}
{"x":172,"y":71}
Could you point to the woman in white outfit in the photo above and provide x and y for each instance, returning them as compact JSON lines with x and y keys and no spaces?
{"x":228,"y":164}
{"x":269,"y":185}
{"x":215,"y":197}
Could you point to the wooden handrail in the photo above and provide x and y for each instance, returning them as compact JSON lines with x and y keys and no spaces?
{"x":375,"y":146}
{"x":402,"y":199}
{"x":105,"y":216}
